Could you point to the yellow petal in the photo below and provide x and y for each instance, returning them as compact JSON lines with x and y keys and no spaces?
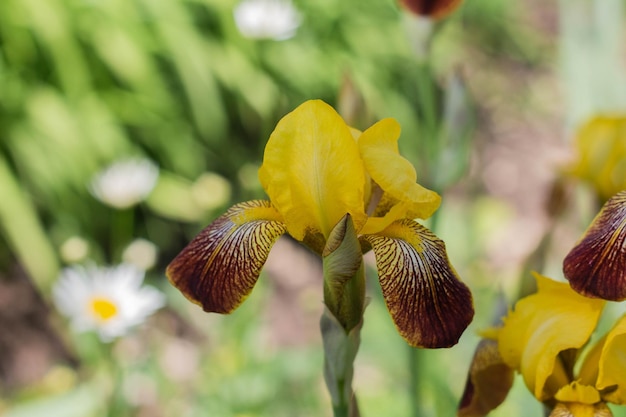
{"x":596,"y":266}
{"x":612,"y":375}
{"x":581,"y":410}
{"x":578,"y":393}
{"x":395,"y":175}
{"x":541,"y":326}
{"x":488,"y":382}
{"x":429,"y":305}
{"x":220,"y":266}
{"x":312,"y":171}
{"x":601,"y":146}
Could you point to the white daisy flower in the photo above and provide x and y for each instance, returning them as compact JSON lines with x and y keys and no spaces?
{"x":267,"y":19}
{"x":125,"y":183}
{"x":107,"y":300}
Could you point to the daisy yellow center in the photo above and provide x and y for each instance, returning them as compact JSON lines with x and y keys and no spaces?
{"x":103,"y":308}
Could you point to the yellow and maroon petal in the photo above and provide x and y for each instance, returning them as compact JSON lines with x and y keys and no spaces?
{"x":488,"y":382}
{"x":429,"y":305}
{"x":596,"y":267}
{"x":219,"y":267}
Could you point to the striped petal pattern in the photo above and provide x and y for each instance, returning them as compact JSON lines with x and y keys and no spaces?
{"x":428,"y":303}
{"x":219,"y":267}
{"x":596,"y":266}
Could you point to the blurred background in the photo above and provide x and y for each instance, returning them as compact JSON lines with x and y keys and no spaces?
{"x":491,"y":100}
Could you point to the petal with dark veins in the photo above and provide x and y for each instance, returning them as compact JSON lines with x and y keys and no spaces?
{"x":596,"y":266}
{"x":429,"y":305}
{"x":218,"y":268}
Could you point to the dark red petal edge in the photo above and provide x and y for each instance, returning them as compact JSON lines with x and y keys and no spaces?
{"x":429,"y":305}
{"x":596,"y":266}
{"x":220,"y":266}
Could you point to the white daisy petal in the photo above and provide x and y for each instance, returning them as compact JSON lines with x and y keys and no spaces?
{"x":108,"y":301}
{"x":267,"y":19}
{"x":125,"y":183}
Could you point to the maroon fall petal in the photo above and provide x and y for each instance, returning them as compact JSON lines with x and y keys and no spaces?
{"x":435,"y":9}
{"x":488,"y":382}
{"x":219,"y":267}
{"x":596,"y":266}
{"x":429,"y":305}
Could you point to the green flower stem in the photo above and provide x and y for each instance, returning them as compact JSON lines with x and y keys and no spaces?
{"x":121,"y":231}
{"x":340,"y":349}
{"x":344,"y":296}
{"x":415,"y":394}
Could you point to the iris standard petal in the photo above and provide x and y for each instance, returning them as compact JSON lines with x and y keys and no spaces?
{"x":596,"y":267}
{"x":612,"y":364}
{"x":429,"y":305}
{"x":312,"y":170}
{"x":220,"y":266}
{"x":395,"y":175}
{"x":540,"y":327}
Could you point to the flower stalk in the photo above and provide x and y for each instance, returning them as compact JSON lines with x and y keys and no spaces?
{"x":344,"y":296}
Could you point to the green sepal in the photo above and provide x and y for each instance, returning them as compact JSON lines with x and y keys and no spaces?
{"x":344,"y":277}
{"x":340,"y":349}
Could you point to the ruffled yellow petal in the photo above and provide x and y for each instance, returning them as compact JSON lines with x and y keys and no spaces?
{"x":541,"y":326}
{"x":578,"y":393}
{"x":395,"y":176}
{"x":312,"y":171}
{"x":429,"y":305}
{"x":581,"y":410}
{"x":219,"y":267}
{"x":488,"y":382}
{"x":612,"y":375}
{"x":596,"y":267}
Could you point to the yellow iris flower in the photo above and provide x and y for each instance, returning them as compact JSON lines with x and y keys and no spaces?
{"x":317,"y":171}
{"x":543,"y":338}
{"x":601,"y":147}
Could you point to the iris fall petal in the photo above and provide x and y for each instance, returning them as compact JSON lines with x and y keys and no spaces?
{"x":312,"y":170}
{"x":596,"y":266}
{"x":435,"y":9}
{"x":541,"y":326}
{"x":220,"y":266}
{"x":429,"y":305}
{"x":488,"y":382}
